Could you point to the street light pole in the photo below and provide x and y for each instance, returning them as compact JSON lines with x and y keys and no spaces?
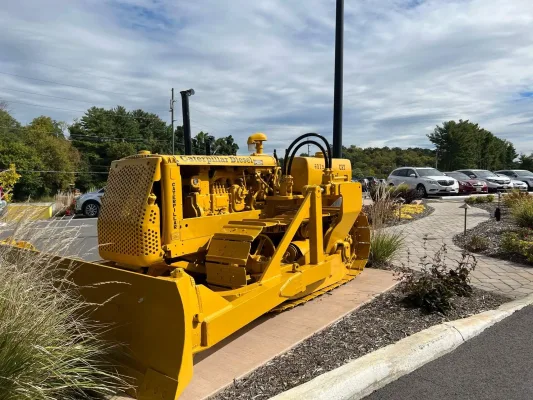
{"x":337,"y":94}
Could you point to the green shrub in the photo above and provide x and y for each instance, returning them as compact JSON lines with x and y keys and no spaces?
{"x":48,"y":349}
{"x":480,"y":200}
{"x":520,"y":242}
{"x":477,"y":243}
{"x":522,"y":212}
{"x":471,"y":200}
{"x":489,"y":198}
{"x":514,"y":197}
{"x":434,"y":287}
{"x":384,"y":247}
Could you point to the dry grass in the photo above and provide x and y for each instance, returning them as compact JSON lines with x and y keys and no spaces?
{"x":48,"y":348}
{"x":383,"y":207}
{"x":63,"y":201}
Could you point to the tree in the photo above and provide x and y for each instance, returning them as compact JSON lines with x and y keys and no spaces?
{"x":199,"y":142}
{"x":464,"y":144}
{"x":8,"y":179}
{"x":525,"y":162}
{"x":102,"y":136}
{"x":379,"y":162}
{"x":39,"y":146}
{"x":226,"y":145}
{"x":56,"y":154}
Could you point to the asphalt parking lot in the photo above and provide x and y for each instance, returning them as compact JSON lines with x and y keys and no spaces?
{"x":67,"y":236}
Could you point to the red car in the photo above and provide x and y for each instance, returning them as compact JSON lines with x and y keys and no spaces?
{"x":468,"y":185}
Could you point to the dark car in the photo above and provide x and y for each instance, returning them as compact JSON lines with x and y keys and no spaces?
{"x":468,"y":185}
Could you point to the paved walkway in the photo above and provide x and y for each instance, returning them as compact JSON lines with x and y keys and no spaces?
{"x":427,"y":235}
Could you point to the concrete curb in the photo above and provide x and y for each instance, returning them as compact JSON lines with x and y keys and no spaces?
{"x":361,"y":377}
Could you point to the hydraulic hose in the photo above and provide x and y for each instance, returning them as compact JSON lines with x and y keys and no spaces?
{"x":311,"y":134}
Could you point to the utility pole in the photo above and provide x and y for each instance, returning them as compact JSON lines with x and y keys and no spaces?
{"x":308,"y":150}
{"x":337,"y":94}
{"x":172,"y":101}
{"x":436,"y":157}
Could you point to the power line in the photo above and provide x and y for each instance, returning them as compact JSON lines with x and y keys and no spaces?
{"x":81,"y":111}
{"x":107,"y":138}
{"x":55,"y":97}
{"x":62,"y":172}
{"x":72,"y":70}
{"x":63,"y":84}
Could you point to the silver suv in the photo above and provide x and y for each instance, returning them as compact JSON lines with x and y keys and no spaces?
{"x":494,"y":182}
{"x":89,"y":204}
{"x":425,"y":180}
{"x":520,"y":175}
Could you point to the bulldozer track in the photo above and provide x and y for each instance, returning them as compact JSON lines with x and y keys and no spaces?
{"x":294,"y":303}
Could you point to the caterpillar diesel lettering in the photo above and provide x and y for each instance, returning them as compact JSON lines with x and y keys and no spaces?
{"x":196,"y":247}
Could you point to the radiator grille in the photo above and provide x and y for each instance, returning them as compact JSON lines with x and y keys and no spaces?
{"x":129,"y":227}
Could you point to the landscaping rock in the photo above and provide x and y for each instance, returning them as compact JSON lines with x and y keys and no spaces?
{"x":381,"y":322}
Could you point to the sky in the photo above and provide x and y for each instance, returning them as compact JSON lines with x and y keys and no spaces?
{"x":268,"y":66}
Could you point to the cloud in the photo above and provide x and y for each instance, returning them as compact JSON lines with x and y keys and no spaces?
{"x":268,"y":65}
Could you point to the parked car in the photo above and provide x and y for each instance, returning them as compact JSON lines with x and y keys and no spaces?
{"x":494,"y":182}
{"x":89,"y":204}
{"x":519,"y":174}
{"x":468,"y":185}
{"x":425,"y":180}
{"x":363,"y":182}
{"x":372,"y":181}
{"x":516,"y":184}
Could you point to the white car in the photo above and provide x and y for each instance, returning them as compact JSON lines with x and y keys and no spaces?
{"x":89,"y":204}
{"x":520,"y":175}
{"x":425,"y":180}
{"x":516,"y":184}
{"x":494,"y":182}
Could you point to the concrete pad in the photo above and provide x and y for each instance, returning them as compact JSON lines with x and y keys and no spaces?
{"x":274,"y":334}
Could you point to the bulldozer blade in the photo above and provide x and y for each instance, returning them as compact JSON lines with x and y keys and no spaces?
{"x":148,"y":317}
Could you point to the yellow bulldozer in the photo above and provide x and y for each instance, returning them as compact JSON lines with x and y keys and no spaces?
{"x":196,"y":247}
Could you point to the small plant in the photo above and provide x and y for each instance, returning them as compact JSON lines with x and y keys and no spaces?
{"x":480,"y":200}
{"x":520,"y":242}
{"x":471,"y":200}
{"x":514,"y":197}
{"x":384,"y":247}
{"x":522,"y":212}
{"x":435,"y":286}
{"x":477,"y":243}
{"x":489,"y":198}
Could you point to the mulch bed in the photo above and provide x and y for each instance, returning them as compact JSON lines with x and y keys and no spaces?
{"x":492,"y":230}
{"x":383,"y":321}
{"x":396,"y":221}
